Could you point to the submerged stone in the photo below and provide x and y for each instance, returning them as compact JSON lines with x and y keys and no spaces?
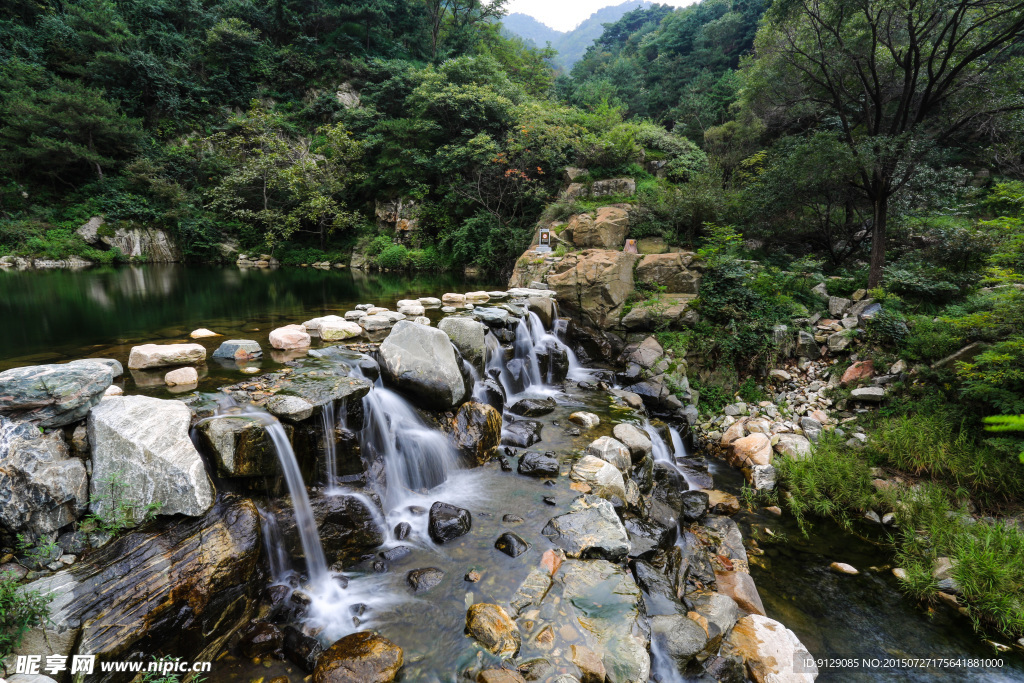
{"x":511,"y":544}
{"x":590,"y":529}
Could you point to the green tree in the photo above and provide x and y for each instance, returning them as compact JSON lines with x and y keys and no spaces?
{"x":896,"y":78}
{"x":60,"y":130}
{"x":278,"y":185}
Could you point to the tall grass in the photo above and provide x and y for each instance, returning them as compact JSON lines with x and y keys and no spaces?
{"x":934,"y":445}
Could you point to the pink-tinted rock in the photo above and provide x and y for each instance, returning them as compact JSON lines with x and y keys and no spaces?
{"x":860,"y":370}
{"x":290,"y":337}
{"x":755,"y":449}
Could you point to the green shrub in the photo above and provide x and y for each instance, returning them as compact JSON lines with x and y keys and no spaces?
{"x":20,"y":611}
{"x":394,"y":257}
{"x":712,"y":397}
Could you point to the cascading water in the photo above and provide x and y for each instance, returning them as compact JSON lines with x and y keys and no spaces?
{"x":415,"y":456}
{"x":329,"y":423}
{"x":280,"y":563}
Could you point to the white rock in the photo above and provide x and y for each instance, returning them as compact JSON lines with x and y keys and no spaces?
{"x":290,"y":337}
{"x":611,"y":450}
{"x":429,"y":302}
{"x":843,"y":568}
{"x":144,"y":443}
{"x":422,"y":320}
{"x":635,"y":439}
{"x":337,"y":329}
{"x":355,"y":316}
{"x":113,"y":390}
{"x":164,"y":355}
{"x":181,"y":377}
{"x":773,"y":653}
{"x":202,"y":333}
{"x":377,"y":310}
{"x":375,"y":323}
{"x":453,"y":298}
{"x":780,"y":374}
{"x":585,"y":419}
{"x":477,"y":297}
{"x":603,"y":477}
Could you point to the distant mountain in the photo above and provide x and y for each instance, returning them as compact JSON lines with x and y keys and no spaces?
{"x":570,"y":44}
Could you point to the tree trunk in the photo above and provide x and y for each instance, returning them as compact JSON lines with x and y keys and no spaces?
{"x":881,"y":216}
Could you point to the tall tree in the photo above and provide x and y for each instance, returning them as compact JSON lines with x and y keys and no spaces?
{"x":896,"y":78}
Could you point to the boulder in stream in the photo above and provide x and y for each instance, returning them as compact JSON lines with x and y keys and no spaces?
{"x":771,"y":651}
{"x":604,"y":479}
{"x":533,"y":407}
{"x":492,"y":627}
{"x":590,"y":529}
{"x":511,"y":544}
{"x":521,"y":433}
{"x":350,"y":526}
{"x":362,"y":657}
{"x":238,"y":350}
{"x":679,"y":637}
{"x":477,"y":431}
{"x":421,"y":361}
{"x":633,"y":438}
{"x":448,"y":522}
{"x":422,"y":580}
{"x":142,"y":456}
{"x":54,"y":395}
{"x":533,"y":464}
{"x":240,"y":445}
{"x":612,"y":451}
{"x":467,"y":335}
{"x":165,"y":355}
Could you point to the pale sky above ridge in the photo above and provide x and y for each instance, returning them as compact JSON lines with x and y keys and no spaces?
{"x":565,"y":15}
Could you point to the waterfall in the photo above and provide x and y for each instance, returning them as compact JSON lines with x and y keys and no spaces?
{"x":280,"y":564}
{"x":312,"y":550}
{"x":316,"y":563}
{"x":330,"y":424}
{"x":415,"y":456}
{"x":663,"y":668}
{"x":528,"y":335}
{"x":663,"y":454}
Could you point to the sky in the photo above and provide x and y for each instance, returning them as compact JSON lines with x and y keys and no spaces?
{"x":565,"y":15}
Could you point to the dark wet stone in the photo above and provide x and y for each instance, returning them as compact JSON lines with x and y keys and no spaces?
{"x":506,"y":466}
{"x":494,"y":394}
{"x":659,"y":595}
{"x":534,"y":464}
{"x":550,"y":500}
{"x":448,"y":522}
{"x":553,"y":361}
{"x":396,"y":553}
{"x":521,"y":433}
{"x":694,"y":505}
{"x":276,"y":599}
{"x":424,"y":579}
{"x":511,"y":544}
{"x":533,"y":407}
{"x":402,"y":531}
{"x":73,"y":542}
{"x":680,"y":638}
{"x":643,"y":475}
{"x":303,"y":650}
{"x":260,"y":638}
{"x":646,"y":537}
{"x":730,"y":669}
{"x":349,"y":530}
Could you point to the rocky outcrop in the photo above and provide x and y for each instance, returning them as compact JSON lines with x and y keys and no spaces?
{"x":54,"y":395}
{"x":594,"y":285}
{"x":143,"y":456}
{"x":151,"y":245}
{"x":678,"y":273}
{"x":603,"y":188}
{"x":605,"y":229}
{"x":421,"y":361}
{"x":44,"y":487}
{"x":184,"y":587}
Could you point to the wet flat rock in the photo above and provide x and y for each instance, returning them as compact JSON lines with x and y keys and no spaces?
{"x":590,"y":529}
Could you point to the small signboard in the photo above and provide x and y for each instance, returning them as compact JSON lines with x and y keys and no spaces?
{"x":544,"y":240}
{"x":630,"y":247}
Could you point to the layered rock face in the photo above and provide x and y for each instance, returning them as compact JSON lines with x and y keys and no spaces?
{"x":55,"y":395}
{"x":139,"y":244}
{"x":116,"y":605}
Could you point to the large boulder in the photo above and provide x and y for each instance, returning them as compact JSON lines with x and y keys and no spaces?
{"x":604,"y":597}
{"x":605,"y":230}
{"x":421,"y":361}
{"x":590,"y":529}
{"x":635,"y":439}
{"x":363,"y":657}
{"x":612,"y":451}
{"x":673,"y":271}
{"x":54,"y":395}
{"x":334,"y":328}
{"x":678,"y":637}
{"x":448,"y":522}
{"x":290,"y":338}
{"x":165,"y":355}
{"x":492,"y":627}
{"x":182,"y":587}
{"x":44,"y":488}
{"x":467,"y":335}
{"x":240,"y":444}
{"x":771,"y":651}
{"x":594,"y":285}
{"x":142,"y":455}
{"x":793,"y":446}
{"x":603,"y":478}
{"x":477,"y":431}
